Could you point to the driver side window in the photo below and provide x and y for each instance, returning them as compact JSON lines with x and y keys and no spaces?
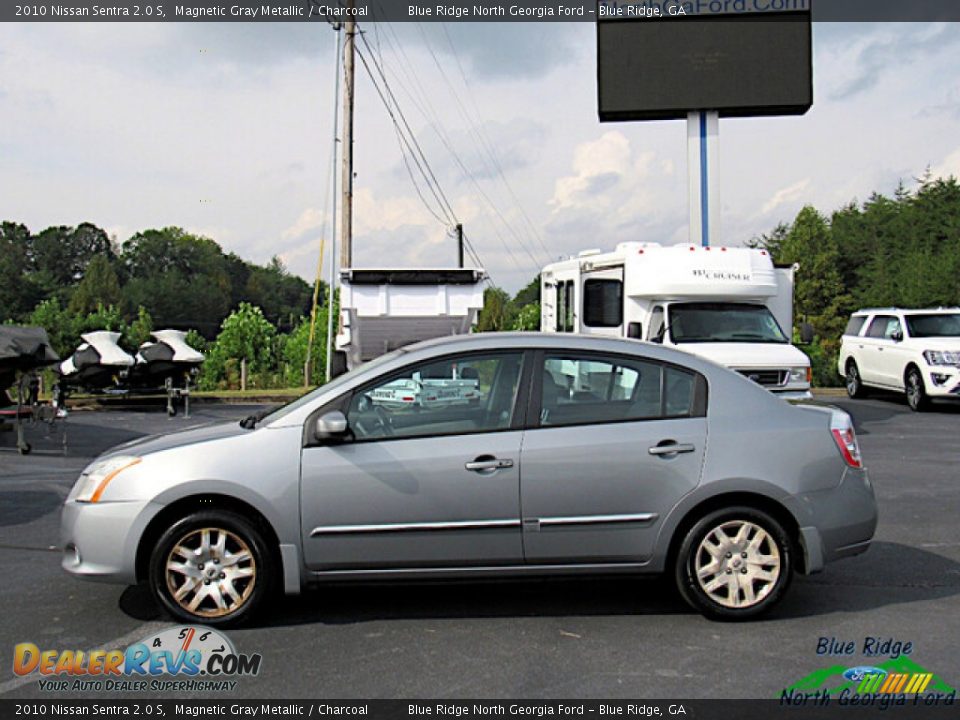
{"x":447,"y":396}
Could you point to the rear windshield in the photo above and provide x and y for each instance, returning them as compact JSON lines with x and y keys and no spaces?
{"x":934,"y":325}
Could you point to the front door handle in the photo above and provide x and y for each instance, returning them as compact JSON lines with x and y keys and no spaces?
{"x":486,"y":463}
{"x":671,"y":448}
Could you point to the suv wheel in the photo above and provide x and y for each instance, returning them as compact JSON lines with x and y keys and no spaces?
{"x":854,"y":383}
{"x":212,"y":568}
{"x":734,"y":564}
{"x":916,"y":393}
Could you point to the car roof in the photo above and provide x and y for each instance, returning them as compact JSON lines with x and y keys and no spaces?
{"x":925,"y":311}
{"x":559,"y":341}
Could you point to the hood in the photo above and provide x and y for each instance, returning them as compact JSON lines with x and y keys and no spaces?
{"x":937,"y":343}
{"x":748,"y":355}
{"x":180,"y":438}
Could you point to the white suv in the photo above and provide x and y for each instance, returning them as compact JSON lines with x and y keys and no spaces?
{"x":912,"y":351}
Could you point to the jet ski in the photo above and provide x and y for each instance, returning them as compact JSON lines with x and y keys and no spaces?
{"x":168,"y":363}
{"x":99,"y":364}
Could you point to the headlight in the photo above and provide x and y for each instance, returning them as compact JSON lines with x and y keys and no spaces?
{"x":941,"y":357}
{"x":94,"y":481}
{"x":800,"y":375}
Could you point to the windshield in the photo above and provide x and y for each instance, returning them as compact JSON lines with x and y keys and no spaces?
{"x":723,"y":322}
{"x":283,"y":410}
{"x":938,"y":325}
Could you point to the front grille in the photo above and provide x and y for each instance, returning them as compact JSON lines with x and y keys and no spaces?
{"x":767,"y":378}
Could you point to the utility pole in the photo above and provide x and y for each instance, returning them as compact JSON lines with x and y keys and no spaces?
{"x":346,"y":222}
{"x":460,"y":244}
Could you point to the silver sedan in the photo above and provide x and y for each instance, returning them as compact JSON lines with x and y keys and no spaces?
{"x":570,"y":455}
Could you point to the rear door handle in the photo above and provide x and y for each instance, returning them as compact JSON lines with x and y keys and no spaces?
{"x":671,"y":449}
{"x":482,"y":464}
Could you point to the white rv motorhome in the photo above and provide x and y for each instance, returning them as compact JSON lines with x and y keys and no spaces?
{"x":730,"y":305}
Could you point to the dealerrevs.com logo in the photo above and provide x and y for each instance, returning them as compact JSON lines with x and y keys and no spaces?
{"x":195,"y":657}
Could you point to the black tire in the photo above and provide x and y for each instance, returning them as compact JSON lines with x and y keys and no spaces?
{"x":767,"y":591}
{"x":854,"y":383}
{"x":184,"y":532}
{"x":916,"y":392}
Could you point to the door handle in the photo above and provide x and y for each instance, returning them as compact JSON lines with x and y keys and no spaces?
{"x":671,"y":449}
{"x":486,"y":463}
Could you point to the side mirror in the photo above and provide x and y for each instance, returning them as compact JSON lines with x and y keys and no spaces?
{"x":897,"y":336}
{"x":331,"y":426}
{"x":635,"y":331}
{"x":806,"y":333}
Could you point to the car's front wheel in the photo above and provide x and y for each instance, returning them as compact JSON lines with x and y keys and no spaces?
{"x":211,"y":567}
{"x":854,"y":383}
{"x":734,"y":564}
{"x":916,"y":393}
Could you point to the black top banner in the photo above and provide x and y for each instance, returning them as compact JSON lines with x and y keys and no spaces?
{"x":467,"y":10}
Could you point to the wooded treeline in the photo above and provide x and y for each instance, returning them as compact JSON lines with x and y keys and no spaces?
{"x":900,"y":251}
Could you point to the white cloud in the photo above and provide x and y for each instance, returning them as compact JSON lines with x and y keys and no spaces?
{"x":790,"y":193}
{"x":950,"y":165}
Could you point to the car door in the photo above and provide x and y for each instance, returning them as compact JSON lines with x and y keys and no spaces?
{"x":428,"y":475}
{"x":615,"y":442}
{"x":893,"y":354}
{"x":876,"y":344}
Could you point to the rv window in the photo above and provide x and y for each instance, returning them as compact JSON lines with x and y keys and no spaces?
{"x":603,"y":303}
{"x":565,"y":306}
{"x":656,"y":325}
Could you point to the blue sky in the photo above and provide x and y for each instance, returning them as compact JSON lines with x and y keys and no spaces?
{"x":224,"y":129}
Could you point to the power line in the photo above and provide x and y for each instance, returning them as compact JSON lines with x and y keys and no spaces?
{"x":426,"y":108}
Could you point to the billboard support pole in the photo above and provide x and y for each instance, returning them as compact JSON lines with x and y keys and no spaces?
{"x":703,"y":134}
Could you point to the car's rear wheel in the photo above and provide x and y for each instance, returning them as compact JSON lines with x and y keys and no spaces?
{"x":734,"y":564}
{"x":916,"y":393}
{"x":211,"y":567}
{"x":854,"y":383}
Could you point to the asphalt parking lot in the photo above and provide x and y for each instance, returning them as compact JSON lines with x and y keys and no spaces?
{"x":610,"y":638}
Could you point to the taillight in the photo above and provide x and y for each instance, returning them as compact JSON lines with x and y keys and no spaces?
{"x":809,"y":374}
{"x":841,"y":427}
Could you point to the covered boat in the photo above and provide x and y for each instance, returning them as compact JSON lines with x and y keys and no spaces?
{"x":23,"y":349}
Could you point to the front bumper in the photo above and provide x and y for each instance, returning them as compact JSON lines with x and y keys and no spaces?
{"x":836,"y":523}
{"x":942,"y":381}
{"x":794,"y":395}
{"x":100,"y":540}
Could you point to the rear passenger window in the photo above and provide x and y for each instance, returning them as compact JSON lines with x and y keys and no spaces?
{"x":583,"y":390}
{"x":855,"y":324}
{"x":679,"y":388}
{"x":883,"y":327}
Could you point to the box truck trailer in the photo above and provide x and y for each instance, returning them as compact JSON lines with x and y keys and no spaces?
{"x":382,"y":310}
{"x":731,"y":305}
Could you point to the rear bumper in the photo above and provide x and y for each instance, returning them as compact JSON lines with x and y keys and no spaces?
{"x":836,"y":523}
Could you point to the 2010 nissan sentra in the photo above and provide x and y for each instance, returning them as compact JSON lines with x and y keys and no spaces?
{"x":547,"y":455}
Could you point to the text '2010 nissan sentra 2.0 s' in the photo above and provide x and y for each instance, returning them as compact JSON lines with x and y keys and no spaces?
{"x":570,"y":455}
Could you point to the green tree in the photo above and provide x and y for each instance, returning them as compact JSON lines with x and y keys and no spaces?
{"x":99,"y":286}
{"x":246,"y":335}
{"x":62,"y":326}
{"x":138,"y":331}
{"x":494,"y":315}
{"x":528,"y":319}
{"x":19,"y":293}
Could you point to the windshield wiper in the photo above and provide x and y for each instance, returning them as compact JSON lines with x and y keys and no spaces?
{"x":250,"y":421}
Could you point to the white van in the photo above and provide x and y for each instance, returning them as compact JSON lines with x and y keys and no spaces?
{"x":730,"y":305}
